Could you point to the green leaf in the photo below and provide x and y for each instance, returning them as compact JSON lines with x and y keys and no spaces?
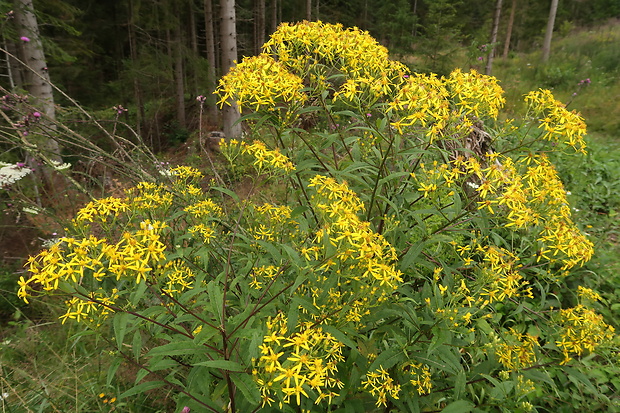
{"x":177,"y":348}
{"x":459,"y":406}
{"x":440,"y":336}
{"x":226,"y":191}
{"x":120,"y":328}
{"x":340,"y":336}
{"x":116,"y":362}
{"x":138,"y":293}
{"x":247,"y":387}
{"x":387,"y":359}
{"x":222,"y":365}
{"x":141,"y":388}
{"x":409,"y":258}
{"x":136,"y":344}
{"x":216,"y":299}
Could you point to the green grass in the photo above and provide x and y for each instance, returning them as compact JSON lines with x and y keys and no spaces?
{"x":585,"y":54}
{"x":49,"y":367}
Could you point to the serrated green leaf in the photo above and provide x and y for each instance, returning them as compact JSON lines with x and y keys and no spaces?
{"x":216,"y":299}
{"x":247,"y":387}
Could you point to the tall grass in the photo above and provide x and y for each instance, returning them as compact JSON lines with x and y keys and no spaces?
{"x":582,"y":55}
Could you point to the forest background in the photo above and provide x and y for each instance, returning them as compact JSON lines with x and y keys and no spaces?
{"x":138,"y":67}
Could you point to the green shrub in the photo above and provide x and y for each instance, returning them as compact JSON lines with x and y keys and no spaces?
{"x":410,"y":253}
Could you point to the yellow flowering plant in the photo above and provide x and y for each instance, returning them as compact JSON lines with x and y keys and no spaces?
{"x":407,"y":251}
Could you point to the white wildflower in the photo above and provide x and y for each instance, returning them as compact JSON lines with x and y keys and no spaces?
{"x":10,"y":173}
{"x":60,"y":166}
{"x":31,"y":210}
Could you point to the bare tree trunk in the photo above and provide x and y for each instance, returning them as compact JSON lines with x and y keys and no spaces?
{"x":308,"y":10}
{"x":178,"y":72}
{"x":194,"y":43}
{"x":546,"y":51}
{"x":228,"y":33}
{"x":498,"y":12}
{"x":211,"y":58}
{"x":260,"y":24}
{"x":192,"y":28}
{"x":133,"y":51}
{"x":36,"y":76}
{"x":274,"y":15}
{"x":511,"y":21}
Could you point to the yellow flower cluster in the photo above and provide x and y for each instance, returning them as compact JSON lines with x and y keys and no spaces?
{"x":421,"y":377}
{"x":500,"y":277}
{"x":362,"y":260}
{"x":264,"y":159}
{"x":207,"y":231}
{"x":300,"y":363}
{"x":350,"y":51}
{"x":146,"y":196}
{"x":261,"y":83}
{"x":136,"y":253}
{"x":273,"y":223}
{"x":559,"y":124}
{"x":582,"y":331}
{"x":517,"y":351}
{"x":133,"y":256}
{"x":421,"y":101}
{"x":204,"y":208}
{"x":379,"y":384}
{"x":89,"y":310}
{"x":440,"y":179}
{"x":433,"y":104}
{"x":474,"y":94}
{"x":100,"y":209}
{"x":588,"y":294}
{"x":264,"y":273}
{"x":177,"y":277}
{"x":530,"y":195}
{"x":183,"y":173}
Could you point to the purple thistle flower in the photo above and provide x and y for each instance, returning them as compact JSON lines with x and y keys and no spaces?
{"x":24,"y":39}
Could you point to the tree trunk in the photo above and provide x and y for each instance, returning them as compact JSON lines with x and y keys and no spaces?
{"x":36,"y":77}
{"x":308,"y":10}
{"x":546,"y":51}
{"x":178,"y":72}
{"x":228,"y":33}
{"x":194,"y":72}
{"x":511,"y":21}
{"x":212,"y":59}
{"x":133,"y":51}
{"x":260,"y":25}
{"x":498,"y":12}
{"x":274,"y":15}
